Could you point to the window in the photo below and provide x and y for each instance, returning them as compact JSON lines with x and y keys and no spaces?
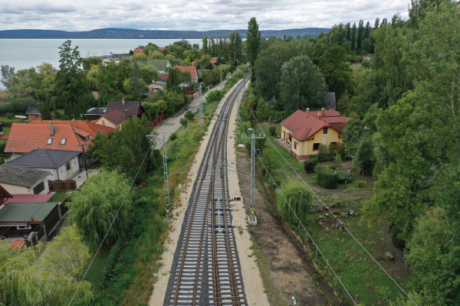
{"x":50,"y":141}
{"x":39,"y":188}
{"x":295,"y":145}
{"x":63,"y":140}
{"x":325,"y":130}
{"x":316,"y":146}
{"x":67,"y":167}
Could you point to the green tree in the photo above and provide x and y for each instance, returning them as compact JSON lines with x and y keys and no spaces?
{"x":149,"y":74}
{"x":252,"y":43}
{"x":98,"y":203}
{"x":29,"y":280}
{"x":71,"y":82}
{"x":127,"y":148}
{"x":353,"y":37}
{"x":300,"y":202}
{"x":360,"y":37}
{"x":91,"y":61}
{"x":139,"y":57}
{"x":204,"y":49}
{"x":269,"y":63}
{"x":135,"y":85}
{"x":302,"y":84}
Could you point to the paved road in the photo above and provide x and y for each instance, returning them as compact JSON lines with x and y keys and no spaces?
{"x":172,"y":124}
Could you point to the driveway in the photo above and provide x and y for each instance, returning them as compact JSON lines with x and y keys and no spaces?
{"x":172,"y":124}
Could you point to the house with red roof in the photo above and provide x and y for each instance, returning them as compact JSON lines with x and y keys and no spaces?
{"x":303,"y":133}
{"x":192,"y":70}
{"x":53,"y":135}
{"x":164,"y":78}
{"x":138,"y":51}
{"x":114,"y":119}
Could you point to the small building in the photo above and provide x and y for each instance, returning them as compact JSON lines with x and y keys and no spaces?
{"x":61,"y":164}
{"x":95,"y":113}
{"x":192,"y":70}
{"x":164,"y":78}
{"x":129,"y":108}
{"x":303,"y":133}
{"x":20,"y":180}
{"x":114,"y":119}
{"x":162,"y":65}
{"x":33,"y":113}
{"x":138,"y":51}
{"x":20,"y":219}
{"x":4,"y":196}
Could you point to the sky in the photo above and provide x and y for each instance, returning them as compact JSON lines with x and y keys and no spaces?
{"x":84,"y":15}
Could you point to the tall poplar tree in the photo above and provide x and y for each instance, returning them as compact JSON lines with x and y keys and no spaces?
{"x":360,"y":38}
{"x":353,"y":37}
{"x":253,"y":41}
{"x":205,"y":45}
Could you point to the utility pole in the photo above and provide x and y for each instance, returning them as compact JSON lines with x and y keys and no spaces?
{"x":165,"y":173}
{"x":220,"y":79}
{"x":252,"y":219}
{"x":201,"y":116}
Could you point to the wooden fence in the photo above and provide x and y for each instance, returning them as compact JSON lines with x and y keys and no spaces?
{"x":157,"y":121}
{"x":59,"y":185}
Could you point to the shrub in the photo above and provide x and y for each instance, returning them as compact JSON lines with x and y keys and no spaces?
{"x":1,"y":161}
{"x":213,"y":96}
{"x":300,"y":200}
{"x":326,"y":180}
{"x":272,"y":130}
{"x":173,"y":136}
{"x":360,"y":184}
{"x":189,"y":115}
{"x":331,"y":151}
{"x":310,"y":164}
{"x":344,"y":177}
{"x":395,"y":230}
{"x":322,"y":153}
{"x":184,"y":122}
{"x":338,"y":203}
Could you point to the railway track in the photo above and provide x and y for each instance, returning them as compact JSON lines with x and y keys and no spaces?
{"x":206,"y":269}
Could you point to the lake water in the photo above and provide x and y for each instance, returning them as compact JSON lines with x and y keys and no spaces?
{"x":26,"y":53}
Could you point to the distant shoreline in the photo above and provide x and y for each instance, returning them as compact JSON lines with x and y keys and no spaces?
{"x":112,"y":33}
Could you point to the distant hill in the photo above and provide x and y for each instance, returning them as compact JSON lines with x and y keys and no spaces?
{"x":113,"y":33}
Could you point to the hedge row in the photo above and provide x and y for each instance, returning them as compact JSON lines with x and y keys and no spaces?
{"x":326,"y":180}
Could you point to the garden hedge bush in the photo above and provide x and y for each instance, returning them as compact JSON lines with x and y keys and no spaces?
{"x":345,"y":177}
{"x":272,"y":130}
{"x":310,"y":164}
{"x":326,"y":180}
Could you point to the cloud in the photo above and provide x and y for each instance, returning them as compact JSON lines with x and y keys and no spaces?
{"x":200,"y":15}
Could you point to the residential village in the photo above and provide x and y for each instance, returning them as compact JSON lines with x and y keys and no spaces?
{"x":316,"y":170}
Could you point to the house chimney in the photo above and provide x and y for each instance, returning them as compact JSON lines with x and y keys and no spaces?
{"x":151,"y":90}
{"x":308,"y":110}
{"x":52,"y":131}
{"x":123,"y":101}
{"x":319,"y":115}
{"x":322,"y":112}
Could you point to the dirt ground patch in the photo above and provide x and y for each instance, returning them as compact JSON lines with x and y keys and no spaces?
{"x":291,"y":272}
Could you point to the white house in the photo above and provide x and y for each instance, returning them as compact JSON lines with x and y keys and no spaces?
{"x":62,"y":165}
{"x":20,"y":180}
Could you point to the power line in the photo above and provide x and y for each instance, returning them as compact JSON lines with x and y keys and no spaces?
{"x":111,"y":224}
{"x":321,"y":201}
{"x":308,"y":234}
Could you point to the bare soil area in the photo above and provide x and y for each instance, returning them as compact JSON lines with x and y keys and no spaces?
{"x":290,"y":270}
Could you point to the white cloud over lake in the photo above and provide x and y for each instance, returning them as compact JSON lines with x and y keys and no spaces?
{"x":82,"y":15}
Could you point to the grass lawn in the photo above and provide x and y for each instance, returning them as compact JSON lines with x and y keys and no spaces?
{"x":59,"y":196}
{"x":95,"y":272}
{"x":360,"y":274}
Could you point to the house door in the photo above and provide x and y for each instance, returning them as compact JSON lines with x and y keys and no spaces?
{"x":284,"y":135}
{"x":290,"y":139}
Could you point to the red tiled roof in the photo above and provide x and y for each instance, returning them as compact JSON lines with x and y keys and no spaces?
{"x":138,"y":51}
{"x":213,"y":61}
{"x":5,"y":137}
{"x":192,"y":69}
{"x":25,"y":137}
{"x":116,"y":117}
{"x":164,"y":77}
{"x":29,"y":198}
{"x":162,"y":48}
{"x":304,"y":125}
